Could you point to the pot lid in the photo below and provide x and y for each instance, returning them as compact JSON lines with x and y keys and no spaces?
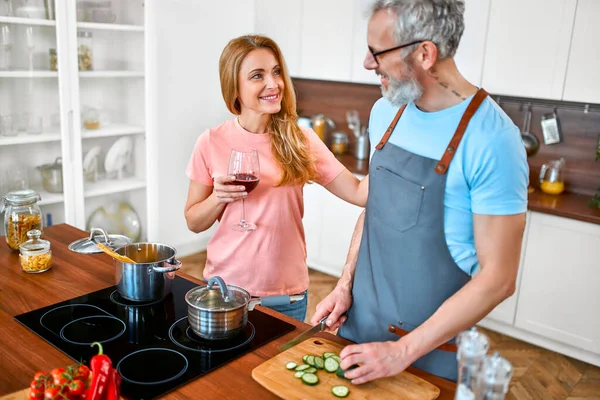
{"x":88,"y":245}
{"x":217,"y":298}
{"x":57,"y":164}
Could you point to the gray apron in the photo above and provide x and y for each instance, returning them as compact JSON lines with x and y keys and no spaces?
{"x":405,"y":271}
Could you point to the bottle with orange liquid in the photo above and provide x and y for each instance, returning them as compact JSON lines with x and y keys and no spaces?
{"x":551,"y":177}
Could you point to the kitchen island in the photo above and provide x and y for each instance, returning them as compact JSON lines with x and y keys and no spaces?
{"x":22,"y":352}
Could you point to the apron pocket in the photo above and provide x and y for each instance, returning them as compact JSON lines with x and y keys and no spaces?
{"x":396,"y":201}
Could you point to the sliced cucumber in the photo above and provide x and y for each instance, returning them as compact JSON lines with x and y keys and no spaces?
{"x":310,"y":370}
{"x":302,"y":367}
{"x":331,"y":365}
{"x":291,"y":365}
{"x":310,"y":379}
{"x":337,"y":358}
{"x":340,"y":372}
{"x":304,"y":358}
{"x":319,"y":363}
{"x":299,"y":374}
{"x":310,"y":360}
{"x":340,"y":391}
{"x":328,"y":354}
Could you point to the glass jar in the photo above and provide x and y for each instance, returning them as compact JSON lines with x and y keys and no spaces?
{"x":339,"y":143}
{"x":21,"y":215}
{"x":472,"y":348}
{"x":493,"y":378}
{"x":91,"y":118}
{"x":85,"y":50}
{"x":36,"y":255}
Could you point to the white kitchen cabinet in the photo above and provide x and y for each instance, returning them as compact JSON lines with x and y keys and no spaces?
{"x":328,"y":223}
{"x":581,"y":83}
{"x":272,"y":18}
{"x":471,"y":50}
{"x":114,"y":86}
{"x":527,"y":47}
{"x":326,"y":45}
{"x":506,"y":311}
{"x":359,"y":48}
{"x":558,"y":297}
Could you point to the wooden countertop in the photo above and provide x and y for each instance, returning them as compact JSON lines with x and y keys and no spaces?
{"x":23,"y":353}
{"x":568,"y":205}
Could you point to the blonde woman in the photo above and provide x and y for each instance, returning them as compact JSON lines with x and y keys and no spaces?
{"x":270,"y":260}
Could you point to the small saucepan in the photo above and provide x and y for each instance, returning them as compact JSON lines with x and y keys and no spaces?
{"x":222,"y":312}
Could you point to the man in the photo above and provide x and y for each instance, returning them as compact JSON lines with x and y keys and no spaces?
{"x":438,"y":245}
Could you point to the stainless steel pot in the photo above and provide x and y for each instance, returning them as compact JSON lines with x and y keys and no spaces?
{"x":52,"y":177}
{"x":151,"y":276}
{"x":222,"y":313}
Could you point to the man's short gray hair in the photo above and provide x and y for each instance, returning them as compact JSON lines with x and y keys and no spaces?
{"x":440,"y":21}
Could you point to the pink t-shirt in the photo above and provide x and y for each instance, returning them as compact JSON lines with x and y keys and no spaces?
{"x":272,"y":259}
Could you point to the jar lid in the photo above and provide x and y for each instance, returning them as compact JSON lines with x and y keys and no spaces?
{"x":34,"y":244}
{"x":22,"y":197}
{"x":88,"y":245}
{"x":339,"y":136}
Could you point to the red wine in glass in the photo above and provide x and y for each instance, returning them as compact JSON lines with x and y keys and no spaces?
{"x":243,"y":164}
{"x":248,"y":181}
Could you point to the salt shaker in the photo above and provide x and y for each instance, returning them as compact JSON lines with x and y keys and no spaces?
{"x":472,"y":348}
{"x":493,"y":378}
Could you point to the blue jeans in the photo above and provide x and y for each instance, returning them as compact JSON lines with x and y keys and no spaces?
{"x":295,"y":310}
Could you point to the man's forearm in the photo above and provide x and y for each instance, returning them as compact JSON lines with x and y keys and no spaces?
{"x":347,"y":277}
{"x":461,"y":311}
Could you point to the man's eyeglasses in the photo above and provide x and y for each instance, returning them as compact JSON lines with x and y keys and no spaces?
{"x":376,"y":53}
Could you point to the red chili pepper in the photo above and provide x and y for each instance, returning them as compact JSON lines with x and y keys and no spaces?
{"x":114,"y":389}
{"x":101,"y":376}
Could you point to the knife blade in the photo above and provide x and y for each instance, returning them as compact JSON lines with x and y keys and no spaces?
{"x":305,"y":335}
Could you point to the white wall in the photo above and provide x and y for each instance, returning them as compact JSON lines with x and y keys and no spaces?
{"x":188,"y":37}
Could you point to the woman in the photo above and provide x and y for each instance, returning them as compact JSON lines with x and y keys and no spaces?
{"x":271,"y":260}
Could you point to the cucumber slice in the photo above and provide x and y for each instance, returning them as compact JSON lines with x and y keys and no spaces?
{"x":331,"y":365}
{"x":337,"y":358}
{"x":299,"y":374}
{"x":310,"y":360}
{"x":304,"y":358}
{"x":319,"y":363}
{"x":340,"y":391}
{"x":310,"y":379}
{"x":310,"y":370}
{"x":328,"y":354}
{"x":291,"y":365}
{"x":302,"y":367}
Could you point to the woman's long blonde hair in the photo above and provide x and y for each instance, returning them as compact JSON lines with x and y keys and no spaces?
{"x":288,"y":143}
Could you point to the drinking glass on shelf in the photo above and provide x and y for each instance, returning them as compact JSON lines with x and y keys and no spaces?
{"x":6,"y":44}
{"x":243,"y":164}
{"x":7,"y":126}
{"x":6,"y":8}
{"x":30,"y":45}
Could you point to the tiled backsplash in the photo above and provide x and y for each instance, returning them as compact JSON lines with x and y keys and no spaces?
{"x":580,"y":130}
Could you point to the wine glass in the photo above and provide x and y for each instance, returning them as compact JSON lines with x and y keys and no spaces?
{"x":5,"y":47}
{"x":243,"y":164}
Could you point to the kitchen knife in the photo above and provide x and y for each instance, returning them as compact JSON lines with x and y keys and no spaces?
{"x":303,"y":336}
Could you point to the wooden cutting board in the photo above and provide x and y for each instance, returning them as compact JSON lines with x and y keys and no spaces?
{"x":273,"y":375}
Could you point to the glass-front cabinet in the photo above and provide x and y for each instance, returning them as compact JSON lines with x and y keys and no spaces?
{"x":72,"y":110}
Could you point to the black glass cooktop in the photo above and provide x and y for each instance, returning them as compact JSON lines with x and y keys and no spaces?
{"x":151,"y":344}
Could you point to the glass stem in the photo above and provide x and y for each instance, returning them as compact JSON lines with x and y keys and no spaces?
{"x":243,"y":221}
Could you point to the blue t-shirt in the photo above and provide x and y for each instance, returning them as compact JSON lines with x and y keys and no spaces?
{"x":488,"y":174}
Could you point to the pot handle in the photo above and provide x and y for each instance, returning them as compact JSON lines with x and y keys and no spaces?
{"x":224,"y":289}
{"x":270,"y":301}
{"x":174,"y":265}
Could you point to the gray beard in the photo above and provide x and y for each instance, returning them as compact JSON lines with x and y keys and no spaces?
{"x":401,"y":92}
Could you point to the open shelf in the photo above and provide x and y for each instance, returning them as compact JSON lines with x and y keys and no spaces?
{"x":49,"y":198}
{"x":110,"y":186}
{"x":111,"y":74}
{"x":110,"y":27}
{"x":112,"y":130}
{"x":28,"y":74}
{"x":27,"y":21}
{"x":24,"y":138}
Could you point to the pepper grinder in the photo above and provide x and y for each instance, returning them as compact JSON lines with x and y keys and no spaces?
{"x":472,"y":348}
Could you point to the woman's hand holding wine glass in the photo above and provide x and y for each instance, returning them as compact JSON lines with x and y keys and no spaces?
{"x":245,"y":171}
{"x":226,"y":191}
